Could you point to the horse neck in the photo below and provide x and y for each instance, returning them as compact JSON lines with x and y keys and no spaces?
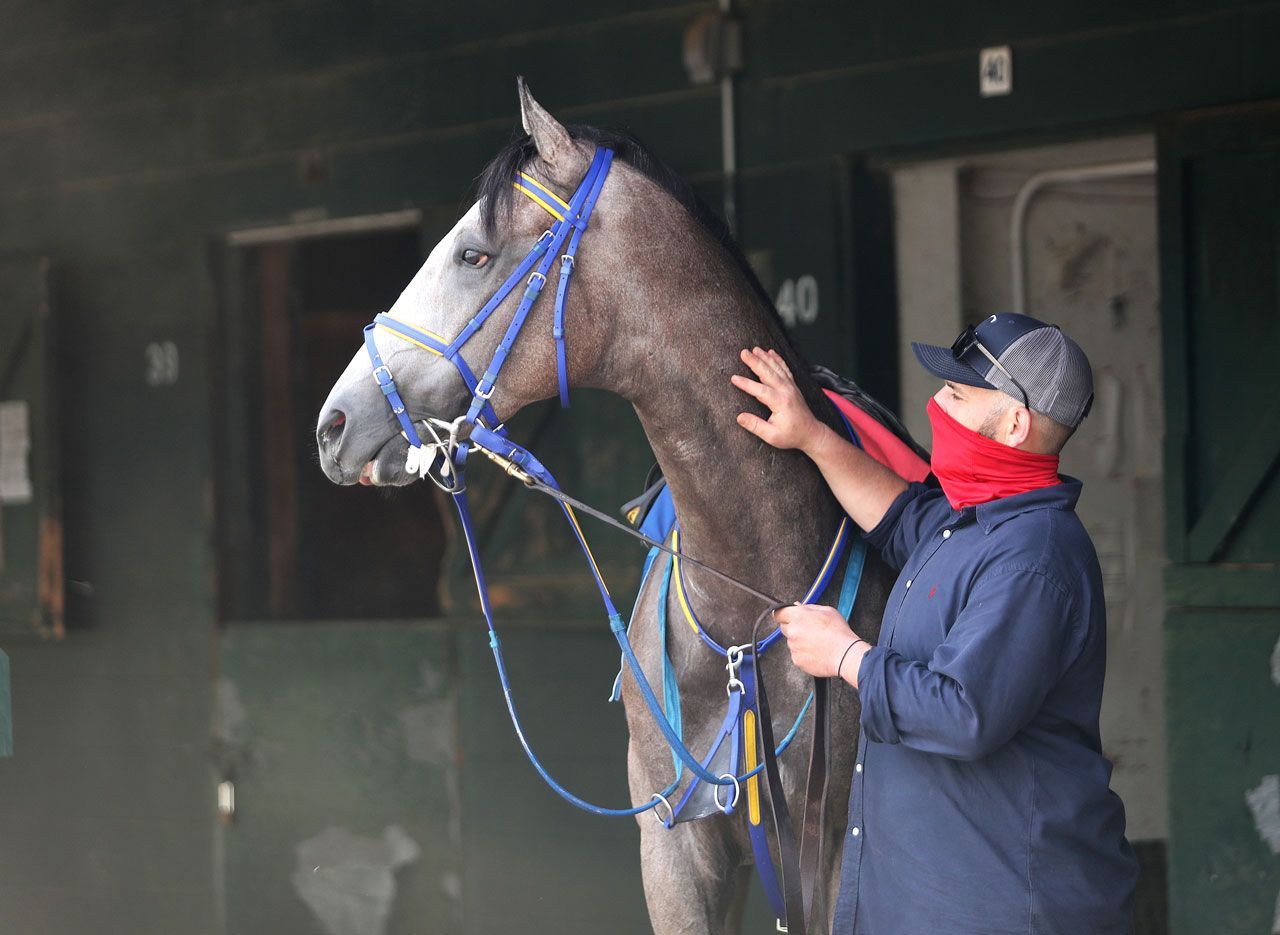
{"x":760,"y":514}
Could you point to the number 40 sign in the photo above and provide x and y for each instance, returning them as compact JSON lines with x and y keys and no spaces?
{"x":797,"y":301}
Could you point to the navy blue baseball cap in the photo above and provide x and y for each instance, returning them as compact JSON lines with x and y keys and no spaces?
{"x":1027,"y":359}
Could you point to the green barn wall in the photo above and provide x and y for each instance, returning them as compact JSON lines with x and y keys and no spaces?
{"x":134,"y":134}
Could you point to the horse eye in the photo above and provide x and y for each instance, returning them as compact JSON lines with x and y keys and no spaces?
{"x":474,"y":258}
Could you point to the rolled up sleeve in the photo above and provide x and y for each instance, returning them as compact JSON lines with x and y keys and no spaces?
{"x":985,"y":681}
{"x":916,"y":512}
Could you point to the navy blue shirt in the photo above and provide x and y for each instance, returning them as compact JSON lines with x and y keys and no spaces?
{"x":980,"y":799}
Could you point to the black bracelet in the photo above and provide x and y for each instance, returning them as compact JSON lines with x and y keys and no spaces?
{"x":840,"y":665}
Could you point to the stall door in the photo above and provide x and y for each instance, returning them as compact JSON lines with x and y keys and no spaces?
{"x":31,"y":596}
{"x":1219,"y":191}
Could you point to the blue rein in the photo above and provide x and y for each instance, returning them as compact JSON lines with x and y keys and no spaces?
{"x":487,"y":435}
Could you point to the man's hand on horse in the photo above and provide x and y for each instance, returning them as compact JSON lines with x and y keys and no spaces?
{"x":819,"y":639}
{"x":791,"y":424}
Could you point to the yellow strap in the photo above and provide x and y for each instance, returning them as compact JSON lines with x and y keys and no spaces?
{"x":554,"y":197}
{"x":404,"y":337}
{"x":680,"y":597}
{"x":832,"y":554}
{"x":573,"y":518}
{"x":538,"y":199}
{"x":749,"y":752}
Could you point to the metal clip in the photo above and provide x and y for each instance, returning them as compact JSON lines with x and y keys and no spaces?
{"x":734,"y":654}
{"x":715,"y":791}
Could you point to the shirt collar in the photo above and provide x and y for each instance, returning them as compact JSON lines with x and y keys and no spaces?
{"x":991,"y":514}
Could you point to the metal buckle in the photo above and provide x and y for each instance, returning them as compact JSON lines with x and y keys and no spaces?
{"x":387,"y":371}
{"x":537,"y":275}
{"x":566,"y":259}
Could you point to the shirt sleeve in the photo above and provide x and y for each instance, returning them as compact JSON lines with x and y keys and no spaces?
{"x":917,"y":512}
{"x":987,"y":678}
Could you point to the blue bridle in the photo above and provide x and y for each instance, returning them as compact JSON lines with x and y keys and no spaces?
{"x":566,"y":231}
{"x":488,"y":436}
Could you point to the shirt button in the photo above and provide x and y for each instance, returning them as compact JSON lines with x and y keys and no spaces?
{"x":908,"y":582}
{"x":946,"y":533}
{"x":855,"y":832}
{"x":858,"y":768}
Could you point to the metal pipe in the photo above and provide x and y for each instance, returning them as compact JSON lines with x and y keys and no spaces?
{"x":1033,"y":186}
{"x":729,"y":139}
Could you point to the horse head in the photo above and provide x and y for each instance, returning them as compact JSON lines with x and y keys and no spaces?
{"x":360,"y":438}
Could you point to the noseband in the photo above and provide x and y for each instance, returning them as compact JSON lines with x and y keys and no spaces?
{"x":565,"y":233}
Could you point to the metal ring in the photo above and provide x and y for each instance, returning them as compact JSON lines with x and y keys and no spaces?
{"x":736,"y":789}
{"x":671,"y":812}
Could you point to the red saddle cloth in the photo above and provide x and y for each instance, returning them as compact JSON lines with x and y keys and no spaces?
{"x":880,"y":442}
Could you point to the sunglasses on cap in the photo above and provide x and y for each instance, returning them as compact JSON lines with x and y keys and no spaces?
{"x":967,"y":341}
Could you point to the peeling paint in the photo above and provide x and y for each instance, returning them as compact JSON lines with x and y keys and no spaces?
{"x":428,"y":731}
{"x":348,"y":881}
{"x":1264,"y":802}
{"x":230,"y":711}
{"x":431,"y":680}
{"x":451,"y":886}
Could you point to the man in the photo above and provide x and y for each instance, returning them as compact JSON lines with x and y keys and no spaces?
{"x":980,"y":799}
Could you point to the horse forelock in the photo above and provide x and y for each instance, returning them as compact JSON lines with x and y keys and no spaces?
{"x":496,"y":196}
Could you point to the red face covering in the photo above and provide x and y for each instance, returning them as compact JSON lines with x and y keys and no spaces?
{"x":975,"y":469}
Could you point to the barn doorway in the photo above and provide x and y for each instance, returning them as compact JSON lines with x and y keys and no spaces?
{"x":291,"y":545}
{"x":1068,"y":233}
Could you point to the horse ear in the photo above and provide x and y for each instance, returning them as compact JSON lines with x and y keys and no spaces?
{"x":555,"y":146}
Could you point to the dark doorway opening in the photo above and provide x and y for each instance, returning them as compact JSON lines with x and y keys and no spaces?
{"x":291,"y":544}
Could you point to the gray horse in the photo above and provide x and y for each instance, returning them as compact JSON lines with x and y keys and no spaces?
{"x":661,"y":305}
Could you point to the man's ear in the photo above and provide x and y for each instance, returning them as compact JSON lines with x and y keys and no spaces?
{"x":1018,"y":431}
{"x":555,"y":146}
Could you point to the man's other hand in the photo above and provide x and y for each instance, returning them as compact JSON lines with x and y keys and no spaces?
{"x":818,"y":637}
{"x":791,"y":424}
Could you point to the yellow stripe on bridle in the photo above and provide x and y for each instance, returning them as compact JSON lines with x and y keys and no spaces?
{"x":405,"y":337}
{"x":536,"y":196}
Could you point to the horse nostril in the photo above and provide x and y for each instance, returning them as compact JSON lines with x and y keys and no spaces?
{"x":331,"y":434}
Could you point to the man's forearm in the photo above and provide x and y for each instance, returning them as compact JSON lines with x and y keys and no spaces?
{"x":865,"y":487}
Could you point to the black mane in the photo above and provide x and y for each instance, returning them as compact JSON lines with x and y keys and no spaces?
{"x":495,"y":193}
